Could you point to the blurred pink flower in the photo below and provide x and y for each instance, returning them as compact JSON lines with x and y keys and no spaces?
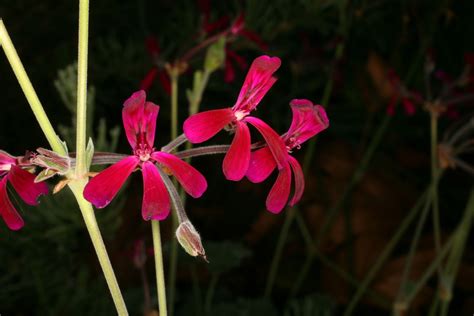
{"x":308,"y":120}
{"x":153,"y":49}
{"x":23,"y":183}
{"x":202,"y":126}
{"x":139,"y":120}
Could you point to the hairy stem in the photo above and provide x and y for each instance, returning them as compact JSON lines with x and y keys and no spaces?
{"x":160,"y":276}
{"x":77,"y":187}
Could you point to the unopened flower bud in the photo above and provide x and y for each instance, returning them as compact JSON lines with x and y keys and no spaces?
{"x":215,"y":55}
{"x":190,"y":240}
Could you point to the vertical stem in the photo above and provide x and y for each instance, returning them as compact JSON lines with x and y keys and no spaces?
{"x":29,"y":91}
{"x":81,"y":167}
{"x":434,"y":179}
{"x":160,"y":276}
{"x":173,"y":246}
{"x":77,"y":187}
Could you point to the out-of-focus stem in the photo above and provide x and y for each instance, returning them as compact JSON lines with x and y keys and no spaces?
{"x":386,"y":253}
{"x":29,"y":91}
{"x":434,"y":180}
{"x":160,"y":275}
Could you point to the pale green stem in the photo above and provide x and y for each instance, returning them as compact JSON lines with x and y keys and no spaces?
{"x":77,"y":187}
{"x":29,"y":91}
{"x":174,"y":217}
{"x":81,"y":167}
{"x":160,"y":276}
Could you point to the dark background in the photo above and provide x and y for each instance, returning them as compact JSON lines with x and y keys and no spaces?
{"x":49,"y":268}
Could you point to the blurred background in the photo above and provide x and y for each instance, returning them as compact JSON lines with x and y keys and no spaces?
{"x":365,"y":239}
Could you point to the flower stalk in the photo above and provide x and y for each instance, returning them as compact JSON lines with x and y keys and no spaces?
{"x":160,"y":276}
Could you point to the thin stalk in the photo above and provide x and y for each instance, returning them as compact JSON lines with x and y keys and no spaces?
{"x":29,"y":91}
{"x":210,"y":293}
{"x":178,"y":141}
{"x":77,"y":187}
{"x":406,"y":271}
{"x":81,"y":125}
{"x":456,"y":254}
{"x":160,"y":276}
{"x":386,"y":253}
{"x":431,"y":269}
{"x":174,"y":217}
{"x":376,"y":297}
{"x":193,"y":51}
{"x":434,"y":180}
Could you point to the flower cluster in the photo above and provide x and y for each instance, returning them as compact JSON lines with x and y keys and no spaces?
{"x":242,"y":159}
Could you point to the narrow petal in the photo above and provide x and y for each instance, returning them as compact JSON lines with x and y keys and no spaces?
{"x":274,"y":141}
{"x":278,"y":196}
{"x":257,"y":83}
{"x":103,"y":187}
{"x":156,"y":201}
{"x":25,"y":186}
{"x":7,"y":211}
{"x":236,"y":161}
{"x":202,"y":126}
{"x":299,"y":180}
{"x":261,"y":165}
{"x":192,"y":180}
{"x":6,"y":159}
{"x":131,"y":115}
{"x":139,"y":119}
{"x":308,"y":120}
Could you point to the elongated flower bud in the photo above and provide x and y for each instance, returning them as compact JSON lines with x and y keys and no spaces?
{"x":190,"y":240}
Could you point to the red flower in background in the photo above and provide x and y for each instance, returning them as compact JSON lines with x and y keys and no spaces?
{"x":409,"y":99}
{"x":24,"y":184}
{"x":202,"y":126}
{"x":139,"y":120}
{"x":308,"y":120}
{"x":153,"y":49}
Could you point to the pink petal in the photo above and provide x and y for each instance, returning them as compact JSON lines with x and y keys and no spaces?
{"x":261,"y":165}
{"x":103,"y":187}
{"x":299,"y":180}
{"x":408,"y":106}
{"x":25,"y":186}
{"x":139,"y":119}
{"x":274,"y":141}
{"x":236,"y":161}
{"x":202,"y":126}
{"x":7,"y":211}
{"x":237,"y":58}
{"x":156,"y":201}
{"x":308,"y":120}
{"x":6,"y":159}
{"x":192,"y":180}
{"x":152,"y":46}
{"x":257,"y":83}
{"x":165,"y":81}
{"x":278,"y":196}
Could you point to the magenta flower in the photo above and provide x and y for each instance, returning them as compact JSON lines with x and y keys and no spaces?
{"x":202,"y":126}
{"x":139,"y":120}
{"x":24,"y":184}
{"x":308,"y":120}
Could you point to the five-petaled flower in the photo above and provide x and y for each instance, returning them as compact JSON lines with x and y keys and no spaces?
{"x":308,"y":120}
{"x":139,"y":120}
{"x":23,"y":183}
{"x":202,"y":126}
